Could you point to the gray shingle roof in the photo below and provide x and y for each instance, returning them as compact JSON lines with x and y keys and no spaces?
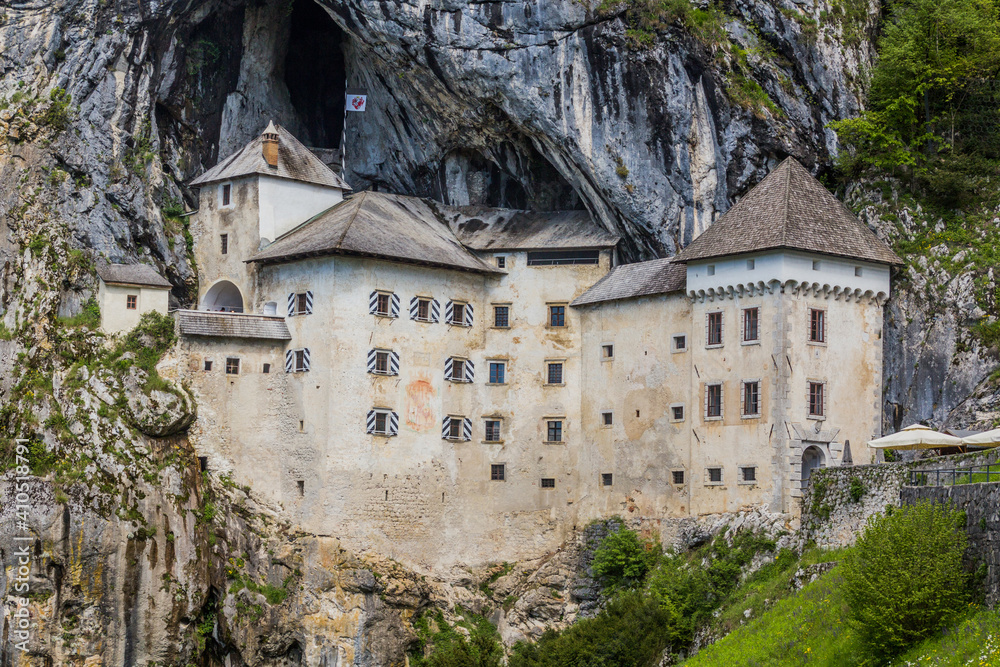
{"x":628,"y":281}
{"x":295,"y":162}
{"x":231,"y":325}
{"x":484,"y":228}
{"x":789,"y":209}
{"x":142,"y":275}
{"x":376,"y":224}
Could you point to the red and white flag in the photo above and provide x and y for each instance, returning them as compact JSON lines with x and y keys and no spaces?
{"x":357,"y":100}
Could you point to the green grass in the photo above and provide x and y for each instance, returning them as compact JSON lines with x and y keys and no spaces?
{"x":974,"y":641}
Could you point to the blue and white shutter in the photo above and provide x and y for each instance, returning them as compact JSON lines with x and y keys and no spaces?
{"x":414,"y":308}
{"x":468,"y":314}
{"x":306,"y":365}
{"x":435,"y":311}
{"x":373,"y":303}
{"x":393,"y":363}
{"x":449,"y":311}
{"x":371,"y":421}
{"x":289,"y":361}
{"x":446,"y":428}
{"x":372,"y":356}
{"x":466,"y":429}
{"x":394,"y":305}
{"x":309,"y":302}
{"x":448,"y":364}
{"x":470,"y":371}
{"x":291,"y":305}
{"x":393,"y":423}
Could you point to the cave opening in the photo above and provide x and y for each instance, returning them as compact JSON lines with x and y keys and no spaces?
{"x":315,"y":74}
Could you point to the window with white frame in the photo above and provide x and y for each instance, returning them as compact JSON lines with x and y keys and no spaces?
{"x":679,"y":343}
{"x":713,"y":475}
{"x":492,"y":431}
{"x":677,"y":412}
{"x":750,"y":399}
{"x":297,"y":361}
{"x":713,"y":330}
{"x":383,"y":362}
{"x":459,"y":370}
{"x":300,"y":303}
{"x":383,"y":304}
{"x":751,"y":325}
{"x":424,"y":309}
{"x":713,"y":401}
{"x":382,"y":421}
{"x":456,"y":427}
{"x":748,"y":475}
{"x":554,"y":430}
{"x":458,"y":313}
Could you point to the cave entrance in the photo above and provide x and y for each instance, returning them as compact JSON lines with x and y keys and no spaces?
{"x":315,"y":74}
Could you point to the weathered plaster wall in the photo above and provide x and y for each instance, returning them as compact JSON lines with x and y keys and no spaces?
{"x":286,"y":204}
{"x":115,"y":314}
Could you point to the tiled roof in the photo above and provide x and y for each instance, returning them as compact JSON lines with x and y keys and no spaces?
{"x":376,"y":224}
{"x":231,"y":325}
{"x":484,"y":228}
{"x":295,"y":162}
{"x":142,"y":275}
{"x":627,"y":281}
{"x":789,"y":209}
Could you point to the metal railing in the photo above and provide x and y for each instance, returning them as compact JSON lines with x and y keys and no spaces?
{"x":974,"y":474}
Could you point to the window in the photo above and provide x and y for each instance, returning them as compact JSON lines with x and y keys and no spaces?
{"x":232,"y":366}
{"x":714,"y":475}
{"x":266,"y":369}
{"x":677,"y":476}
{"x":302,"y":487}
{"x":301,"y":307}
{"x":748,"y":474}
{"x":608,"y":351}
{"x":208,"y":364}
{"x":227,"y":194}
{"x":713,"y":401}
{"x":548,"y":482}
{"x":382,"y":304}
{"x":554,"y":430}
{"x":423,"y":309}
{"x":224,"y":243}
{"x":680,"y":342}
{"x":492,"y":430}
{"x":457,"y":370}
{"x":606,"y":479}
{"x":607,"y":418}
{"x":751,"y":398}
{"x":455,"y":428}
{"x":557,"y":257}
{"x":557,"y":316}
{"x":677,"y":413}
{"x":381,"y":361}
{"x":713,"y":334}
{"x":750,"y":265}
{"x":458,"y":314}
{"x":501,"y":317}
{"x":501,"y":262}
{"x":131,"y":301}
{"x":817,"y":397}
{"x":382,"y":422}
{"x":299,"y":303}
{"x":554,"y":373}
{"x":817,"y":326}
{"x":497,"y":472}
{"x":297,"y":361}
{"x":858,"y":271}
{"x":816,"y":265}
{"x":710,"y":269}
{"x":751,"y":325}
{"x":498,"y":372}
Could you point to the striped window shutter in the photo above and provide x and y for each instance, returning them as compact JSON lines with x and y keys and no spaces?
{"x":394,"y":305}
{"x":305,"y":359}
{"x":414,"y":307}
{"x":373,"y":302}
{"x":467,"y":429}
{"x":291,"y":305}
{"x":371,"y":421}
{"x":449,"y":308}
{"x":372,"y":354}
{"x":393,"y":423}
{"x":309,"y":302}
{"x":393,"y":363}
{"x":470,"y":371}
{"x":435,"y":311}
{"x":468,"y":314}
{"x":449,"y":362}
{"x":289,"y":361}
{"x":445,"y":427}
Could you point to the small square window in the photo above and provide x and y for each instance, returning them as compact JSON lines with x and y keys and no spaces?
{"x":227,"y":194}
{"x":498,"y":372}
{"x":492,"y":430}
{"x":557,"y":316}
{"x":816,"y":265}
{"x":232,"y":366}
{"x":554,"y":430}
{"x":858,"y":271}
{"x":715,"y":475}
{"x":677,"y":476}
{"x":208,"y":365}
{"x":497,"y":472}
{"x":680,"y":343}
{"x":266,"y":369}
{"x":224,"y":243}
{"x":748,"y":474}
{"x":501,"y":262}
{"x":548,"y":482}
{"x":554,"y":373}
{"x":710,"y":269}
{"x":677,"y":413}
{"x":501,"y":317}
{"x":750,"y":265}
{"x":607,"y":351}
{"x":131,"y":301}
{"x":607,"y":418}
{"x":458,"y":314}
{"x":607,"y":479}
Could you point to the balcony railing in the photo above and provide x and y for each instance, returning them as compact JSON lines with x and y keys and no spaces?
{"x":975,"y":474}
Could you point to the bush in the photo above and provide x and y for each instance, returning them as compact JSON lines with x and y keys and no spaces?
{"x":449,"y":648}
{"x":623,"y":558}
{"x":904,"y":580}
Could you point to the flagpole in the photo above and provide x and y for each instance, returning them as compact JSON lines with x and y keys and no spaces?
{"x":355,"y":99}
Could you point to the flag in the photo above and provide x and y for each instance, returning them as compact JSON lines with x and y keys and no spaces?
{"x":357,"y":99}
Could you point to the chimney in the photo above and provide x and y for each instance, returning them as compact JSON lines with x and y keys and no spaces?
{"x":271,"y":145}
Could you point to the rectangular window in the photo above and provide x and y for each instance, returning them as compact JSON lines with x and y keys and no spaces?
{"x":458,"y":370}
{"x":455,"y":428}
{"x":458,"y":314}
{"x":301,"y":304}
{"x":266,"y":369}
{"x":680,"y":342}
{"x":501,"y":262}
{"x":131,"y":301}
{"x":382,"y":362}
{"x":492,"y":430}
{"x":608,"y":351}
{"x":382,"y":304}
{"x":498,"y":372}
{"x":715,"y":475}
{"x":606,"y":479}
{"x":817,"y":326}
{"x":816,"y":265}
{"x":300,"y":361}
{"x":713,"y":401}
{"x":677,"y":413}
{"x":224,"y":243}
{"x":710,"y":269}
{"x":816,"y":397}
{"x":497,"y":472}
{"x":381,"y":422}
{"x":554,"y":374}
{"x":858,"y":271}
{"x":607,"y":418}
{"x":227,"y":194}
{"x":548,"y":482}
{"x":751,"y":265}
{"x":232,"y":366}
{"x":557,"y":257}
{"x":751,"y":398}
{"x":554,"y":431}
{"x":501,"y":317}
{"x":557,"y":316}
{"x":714,"y":333}
{"x":751,"y":322}
{"x":208,"y":365}
{"x":677,"y":476}
{"x":424,"y":309}
{"x":748,"y":474}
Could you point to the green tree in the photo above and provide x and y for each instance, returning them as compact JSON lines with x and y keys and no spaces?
{"x":904,"y":579}
{"x":623,"y":558}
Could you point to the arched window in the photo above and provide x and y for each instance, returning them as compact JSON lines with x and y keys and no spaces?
{"x":224,"y":297}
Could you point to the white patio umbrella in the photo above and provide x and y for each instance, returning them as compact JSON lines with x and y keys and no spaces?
{"x":984,"y":439}
{"x":917,"y":436}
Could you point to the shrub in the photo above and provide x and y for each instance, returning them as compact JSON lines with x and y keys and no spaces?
{"x":857,"y":489}
{"x":623,"y":558}
{"x":904,"y":579}
{"x":58,"y":114}
{"x":449,"y":648}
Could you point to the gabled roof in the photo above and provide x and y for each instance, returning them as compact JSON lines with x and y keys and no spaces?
{"x":232,"y":325}
{"x":376,"y":224}
{"x":628,"y":281}
{"x":295,"y":162}
{"x":142,"y":275}
{"x":789,"y":209}
{"x":483,"y":228}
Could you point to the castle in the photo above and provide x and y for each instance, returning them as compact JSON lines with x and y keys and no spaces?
{"x":469,"y":384}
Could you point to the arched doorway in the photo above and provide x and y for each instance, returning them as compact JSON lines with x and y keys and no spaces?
{"x":223,"y":297}
{"x":812,"y":458}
